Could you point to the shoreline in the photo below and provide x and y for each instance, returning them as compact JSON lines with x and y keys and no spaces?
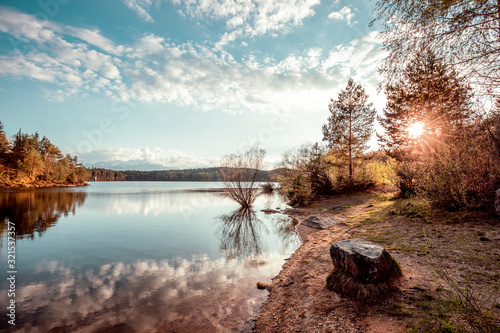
{"x":36,"y":186}
{"x":298,"y":299}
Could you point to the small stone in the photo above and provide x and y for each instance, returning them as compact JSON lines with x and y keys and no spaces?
{"x":269,"y":211}
{"x":413,"y":213}
{"x":261,"y":285}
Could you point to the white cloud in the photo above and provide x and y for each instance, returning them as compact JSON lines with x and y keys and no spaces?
{"x":249,"y":18}
{"x":147,"y":45}
{"x":24,"y":26}
{"x":53,"y":59}
{"x":95,"y":38}
{"x":345,"y":14}
{"x":28,"y":28}
{"x":155,"y":156}
{"x":141,"y":7}
{"x":152,"y":70}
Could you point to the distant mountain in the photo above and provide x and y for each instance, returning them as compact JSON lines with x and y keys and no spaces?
{"x":140,"y":165}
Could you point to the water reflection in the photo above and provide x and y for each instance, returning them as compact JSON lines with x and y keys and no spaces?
{"x":36,"y":211}
{"x":200,"y":294}
{"x":141,"y":260}
{"x":240,"y":233}
{"x":153,"y":203}
{"x":285,"y":228}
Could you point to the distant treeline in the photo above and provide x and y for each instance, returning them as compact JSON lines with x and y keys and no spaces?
{"x":28,"y":161}
{"x":189,"y":175}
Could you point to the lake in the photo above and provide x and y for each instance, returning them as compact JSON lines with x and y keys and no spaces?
{"x":140,"y":256}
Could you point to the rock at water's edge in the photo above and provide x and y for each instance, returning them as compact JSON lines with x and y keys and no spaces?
{"x":364,"y":261}
{"x":320,"y":222}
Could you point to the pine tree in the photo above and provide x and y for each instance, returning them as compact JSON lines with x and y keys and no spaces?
{"x":50,"y":153}
{"x":4,"y":143}
{"x":350,"y":124}
{"x":428,"y":93}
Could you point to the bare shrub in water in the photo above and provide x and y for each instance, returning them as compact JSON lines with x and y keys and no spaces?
{"x":240,"y":173}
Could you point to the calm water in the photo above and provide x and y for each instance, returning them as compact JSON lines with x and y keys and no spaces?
{"x":140,"y":256}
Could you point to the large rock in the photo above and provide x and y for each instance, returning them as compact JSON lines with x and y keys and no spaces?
{"x":320,"y":222}
{"x":364,"y":261}
{"x":497,"y":202}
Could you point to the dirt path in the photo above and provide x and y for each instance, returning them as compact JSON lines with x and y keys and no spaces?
{"x":300,"y":302}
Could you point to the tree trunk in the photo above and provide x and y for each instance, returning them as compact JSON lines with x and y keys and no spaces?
{"x":350,"y":146}
{"x":498,"y":17}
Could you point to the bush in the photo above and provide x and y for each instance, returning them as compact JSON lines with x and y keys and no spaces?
{"x":312,"y":170}
{"x":267,"y":188}
{"x":463,"y":174}
{"x":406,"y":177}
{"x":240,"y":173}
{"x":298,"y":190}
{"x":305,"y":172}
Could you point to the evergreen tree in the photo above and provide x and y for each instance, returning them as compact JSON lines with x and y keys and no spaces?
{"x":350,"y":124}
{"x":4,"y":148}
{"x":50,"y":153}
{"x":4,"y":143}
{"x":428,"y":93}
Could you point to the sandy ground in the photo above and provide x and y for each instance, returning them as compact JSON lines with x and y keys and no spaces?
{"x":300,"y":302}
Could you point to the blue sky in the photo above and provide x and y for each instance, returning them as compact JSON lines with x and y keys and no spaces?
{"x":181,"y":83}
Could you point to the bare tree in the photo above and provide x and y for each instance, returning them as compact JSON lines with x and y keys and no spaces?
{"x":240,"y":173}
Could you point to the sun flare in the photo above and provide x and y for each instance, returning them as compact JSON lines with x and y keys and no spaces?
{"x":416,"y":130}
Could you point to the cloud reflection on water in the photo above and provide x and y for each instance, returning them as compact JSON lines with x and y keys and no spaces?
{"x":145,"y":295}
{"x":132,"y":292}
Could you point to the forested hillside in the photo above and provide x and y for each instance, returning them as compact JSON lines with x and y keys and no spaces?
{"x":204,"y":175}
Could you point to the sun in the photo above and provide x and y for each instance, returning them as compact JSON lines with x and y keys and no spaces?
{"x":416,"y":130}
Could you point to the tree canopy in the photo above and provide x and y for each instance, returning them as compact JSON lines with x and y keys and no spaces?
{"x":464,"y":33}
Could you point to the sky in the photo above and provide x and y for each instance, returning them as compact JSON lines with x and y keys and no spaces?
{"x":181,"y":83}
